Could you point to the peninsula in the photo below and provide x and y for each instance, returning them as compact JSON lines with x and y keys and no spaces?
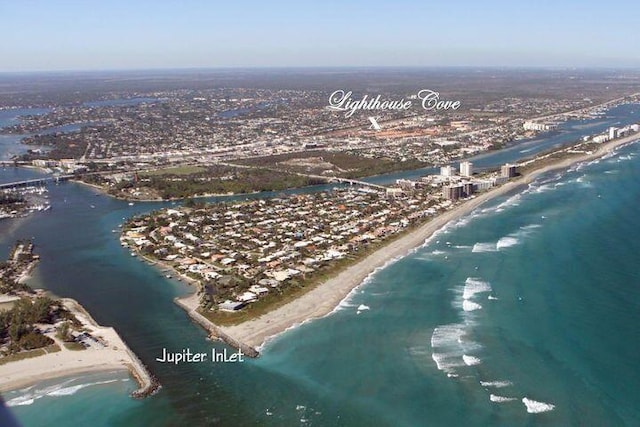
{"x":323,"y":299}
{"x":44,"y":338}
{"x":262,"y":266}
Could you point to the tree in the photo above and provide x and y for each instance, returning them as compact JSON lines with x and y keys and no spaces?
{"x":64,"y":332}
{"x":40,"y":312}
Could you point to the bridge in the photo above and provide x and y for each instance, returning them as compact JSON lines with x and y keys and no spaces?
{"x":13,"y":163}
{"x":34,"y":182}
{"x":354,"y":182}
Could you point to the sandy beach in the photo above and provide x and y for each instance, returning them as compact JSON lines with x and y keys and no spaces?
{"x":112,"y":355}
{"x":323,"y":299}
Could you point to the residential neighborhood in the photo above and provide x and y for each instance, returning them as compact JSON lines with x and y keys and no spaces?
{"x":241,"y":252}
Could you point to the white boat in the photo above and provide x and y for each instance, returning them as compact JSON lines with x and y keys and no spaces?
{"x":133,"y":254}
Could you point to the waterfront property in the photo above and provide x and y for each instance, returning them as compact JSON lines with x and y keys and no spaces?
{"x":244,"y":252}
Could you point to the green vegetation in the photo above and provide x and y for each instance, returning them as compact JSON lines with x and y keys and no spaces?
{"x":25,"y":325}
{"x":188,"y":181}
{"x":21,"y":260}
{"x":19,"y":331}
{"x":244,"y":181}
{"x":63,"y":332}
{"x":176,"y":171}
{"x":345,"y":164}
{"x":65,"y":145}
{"x":53,"y":348}
{"x":74,"y":346}
{"x":555,"y":155}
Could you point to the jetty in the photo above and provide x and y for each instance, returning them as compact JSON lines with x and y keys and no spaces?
{"x":190,"y":304}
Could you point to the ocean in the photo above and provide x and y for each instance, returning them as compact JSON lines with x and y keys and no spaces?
{"x":521,"y":313}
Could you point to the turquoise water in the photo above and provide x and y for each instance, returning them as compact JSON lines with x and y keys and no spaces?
{"x":551,"y":280}
{"x":551,"y":284}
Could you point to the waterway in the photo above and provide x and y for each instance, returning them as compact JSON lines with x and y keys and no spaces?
{"x":546,"y":337}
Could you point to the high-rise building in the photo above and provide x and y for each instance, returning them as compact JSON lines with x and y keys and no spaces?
{"x":467,"y":189}
{"x":508,"y":171}
{"x":613,"y":132}
{"x":453,"y":192}
{"x":446,"y":171}
{"x":466,"y":169}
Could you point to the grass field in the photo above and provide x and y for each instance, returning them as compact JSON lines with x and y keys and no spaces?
{"x":180,"y":170}
{"x":29,"y":354}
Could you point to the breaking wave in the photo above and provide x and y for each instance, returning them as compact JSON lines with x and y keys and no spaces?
{"x":449,"y":346}
{"x":470,"y":306}
{"x":58,"y":390}
{"x":484,"y":247}
{"x":535,"y":407}
{"x":501,"y":399}
{"x":496,"y":384}
{"x":471,"y":360}
{"x":507,"y":242}
{"x":473,"y":286}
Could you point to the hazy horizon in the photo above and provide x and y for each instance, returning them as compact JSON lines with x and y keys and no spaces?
{"x":343,"y":68}
{"x":72,"y":35}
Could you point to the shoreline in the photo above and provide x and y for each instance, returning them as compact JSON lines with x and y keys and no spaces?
{"x":114,"y":356}
{"x":323,"y":299}
{"x":104,"y":192}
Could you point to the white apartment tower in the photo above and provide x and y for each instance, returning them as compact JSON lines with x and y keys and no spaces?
{"x":466,"y":169}
{"x":446,"y":171}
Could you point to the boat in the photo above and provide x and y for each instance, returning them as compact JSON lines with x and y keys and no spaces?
{"x":133,"y":254}
{"x":130,"y":203}
{"x":168,"y":276}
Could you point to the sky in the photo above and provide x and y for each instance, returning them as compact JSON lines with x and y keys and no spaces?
{"x":47,"y":35}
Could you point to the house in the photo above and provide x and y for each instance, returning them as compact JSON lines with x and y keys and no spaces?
{"x":247,"y":297}
{"x":231,"y":305}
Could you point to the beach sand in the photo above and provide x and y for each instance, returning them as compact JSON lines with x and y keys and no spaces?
{"x":323,"y":299}
{"x":115,"y":355}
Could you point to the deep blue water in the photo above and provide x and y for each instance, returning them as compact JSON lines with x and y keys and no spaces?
{"x":559,"y":261}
